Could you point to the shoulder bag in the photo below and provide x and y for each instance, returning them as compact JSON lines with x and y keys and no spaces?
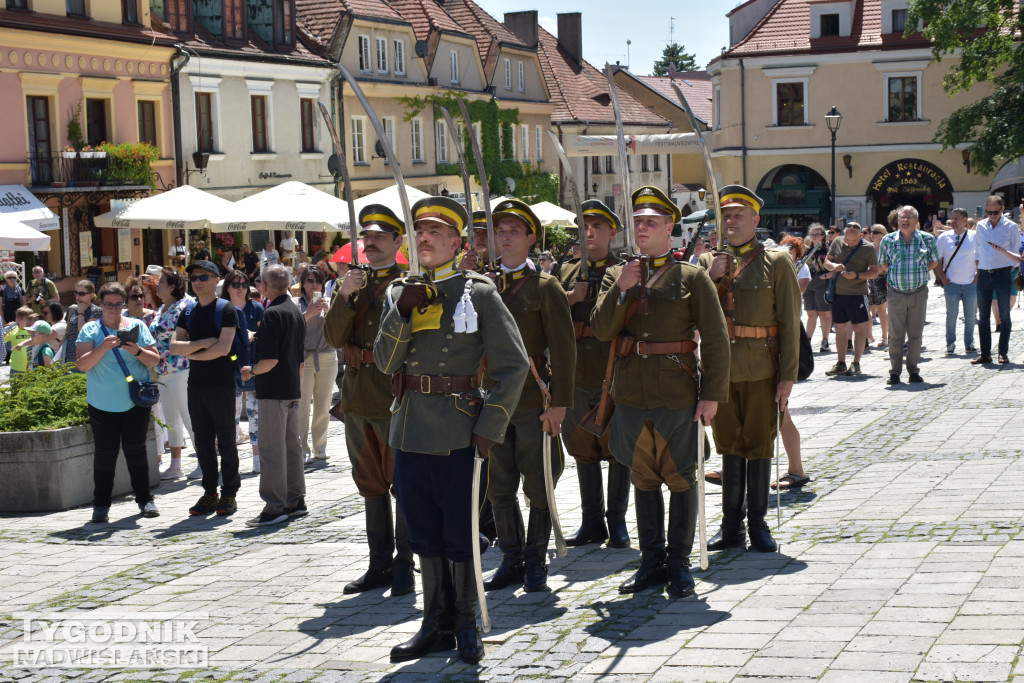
{"x":143,"y":394}
{"x":830,"y":293}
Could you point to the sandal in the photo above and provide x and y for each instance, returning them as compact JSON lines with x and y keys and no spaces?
{"x":713,"y":477}
{"x":882,"y":344}
{"x":791,"y":482}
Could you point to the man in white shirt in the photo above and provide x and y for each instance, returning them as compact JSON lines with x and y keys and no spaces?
{"x":287,"y":245}
{"x":178,"y":249}
{"x":997,"y":238}
{"x":269,"y":256}
{"x":958,"y":272}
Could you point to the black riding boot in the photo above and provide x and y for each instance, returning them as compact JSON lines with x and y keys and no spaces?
{"x":509,"y":522}
{"x":487,"y":528}
{"x":435,"y":632}
{"x":650,"y":529}
{"x":593,"y":529}
{"x":402,"y":581}
{"x":759,"y":475}
{"x":467,"y":636}
{"x":537,"y":537}
{"x":618,"y":503}
{"x":682,"y":523}
{"x":380,"y":535}
{"x":734,"y":484}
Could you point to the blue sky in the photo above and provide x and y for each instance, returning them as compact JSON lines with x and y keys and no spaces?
{"x":700,"y":27}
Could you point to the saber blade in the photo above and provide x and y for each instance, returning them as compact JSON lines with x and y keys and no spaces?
{"x":549,"y":485}
{"x":570,"y":180}
{"x":485,"y":616}
{"x":702,"y":522}
{"x":627,"y":185}
{"x":346,"y":181}
{"x":482,"y":172}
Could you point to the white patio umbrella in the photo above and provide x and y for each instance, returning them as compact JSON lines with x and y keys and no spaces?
{"x":16,"y":236}
{"x":552,"y":214}
{"x":288,"y":206}
{"x":389,"y":198}
{"x":183,"y":208}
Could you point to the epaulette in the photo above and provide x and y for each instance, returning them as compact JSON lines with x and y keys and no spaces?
{"x":473,"y":275}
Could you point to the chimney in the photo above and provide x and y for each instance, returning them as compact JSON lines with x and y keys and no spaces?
{"x":570,"y":34}
{"x":524,"y":25}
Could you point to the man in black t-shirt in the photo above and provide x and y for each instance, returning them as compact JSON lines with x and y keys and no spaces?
{"x":251,"y":261}
{"x":279,"y":348}
{"x":211,"y":388}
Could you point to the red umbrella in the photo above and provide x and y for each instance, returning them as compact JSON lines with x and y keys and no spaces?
{"x":344,"y":255}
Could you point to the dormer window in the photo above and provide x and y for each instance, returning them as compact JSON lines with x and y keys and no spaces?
{"x":178,"y":13}
{"x":234,"y":20}
{"x":829,"y":25}
{"x":830,"y":19}
{"x":284,"y":23}
{"x":899,"y":20}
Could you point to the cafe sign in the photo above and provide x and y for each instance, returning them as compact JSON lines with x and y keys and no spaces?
{"x":911,"y":178}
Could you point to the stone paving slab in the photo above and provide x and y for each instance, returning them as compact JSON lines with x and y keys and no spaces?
{"x":901,"y":561}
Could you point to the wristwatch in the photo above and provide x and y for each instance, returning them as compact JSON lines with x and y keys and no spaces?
{"x":139,"y":353}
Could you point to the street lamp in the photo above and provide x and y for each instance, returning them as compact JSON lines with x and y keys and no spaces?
{"x":832,"y":120}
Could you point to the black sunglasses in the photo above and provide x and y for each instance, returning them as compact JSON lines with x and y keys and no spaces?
{"x":994,"y":213}
{"x":137,"y":297}
{"x":77,"y":293}
{"x":238,"y":285}
{"x":199,"y":278}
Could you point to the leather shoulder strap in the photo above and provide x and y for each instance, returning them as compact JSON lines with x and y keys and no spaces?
{"x":726,"y":284}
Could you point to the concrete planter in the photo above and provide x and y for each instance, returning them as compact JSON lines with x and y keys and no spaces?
{"x":52,"y":470}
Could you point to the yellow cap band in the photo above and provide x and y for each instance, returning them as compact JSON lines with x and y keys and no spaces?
{"x":602,"y":214}
{"x":742,"y":199}
{"x":522,"y":214}
{"x":455,"y":219}
{"x":382,"y":218}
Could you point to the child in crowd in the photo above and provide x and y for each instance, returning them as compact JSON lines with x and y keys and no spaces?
{"x":17,"y":336}
{"x":43,"y":354}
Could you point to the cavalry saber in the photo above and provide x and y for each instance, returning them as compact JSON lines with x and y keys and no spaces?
{"x":485,"y":188}
{"x":343,"y":163}
{"x":549,"y":486}
{"x":396,"y":172}
{"x":454,"y":132}
{"x":570,"y":180}
{"x":778,"y":488}
{"x":702,"y":522}
{"x":704,"y":151}
{"x":478,"y":572}
{"x":627,"y":186}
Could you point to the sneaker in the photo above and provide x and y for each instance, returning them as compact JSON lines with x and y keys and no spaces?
{"x":197,"y":473}
{"x":883,"y":344}
{"x":321,"y":454}
{"x":205,"y":505}
{"x":971,"y":349}
{"x":99,"y":514}
{"x":267,"y":519}
{"x":950,"y":350}
{"x":150,"y":510}
{"x":838,"y":369}
{"x":299,"y":510}
{"x":824,"y":346}
{"x":255,"y":464}
{"x":893,"y":379}
{"x":854,"y":368}
{"x":171,"y":473}
{"x":227,"y":506}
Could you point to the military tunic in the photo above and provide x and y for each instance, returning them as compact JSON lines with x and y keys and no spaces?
{"x":652,"y":428}
{"x":431,"y":432}
{"x":365,"y":390}
{"x":541,"y":312}
{"x":591,"y":365}
{"x":765,"y":294}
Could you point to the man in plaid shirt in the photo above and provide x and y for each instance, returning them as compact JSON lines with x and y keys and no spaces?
{"x":907,"y":256}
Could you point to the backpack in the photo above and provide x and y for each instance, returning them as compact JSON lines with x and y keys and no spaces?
{"x":806,"y":356}
{"x":241,"y":350}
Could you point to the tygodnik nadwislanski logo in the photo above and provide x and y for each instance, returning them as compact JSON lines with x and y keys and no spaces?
{"x":109,"y":640}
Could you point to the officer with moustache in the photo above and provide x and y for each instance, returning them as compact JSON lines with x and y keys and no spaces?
{"x":600,"y":227}
{"x":433,"y":342}
{"x":352,"y":324}
{"x":651,"y":308}
{"x":541,"y":311}
{"x":760,"y":298}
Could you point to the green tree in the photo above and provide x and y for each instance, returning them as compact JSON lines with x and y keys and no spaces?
{"x":985,"y":34}
{"x":675,"y":54}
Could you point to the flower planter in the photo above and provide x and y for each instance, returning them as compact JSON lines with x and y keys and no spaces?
{"x":52,"y":470}
{"x":99,"y":155}
{"x":87,"y":155}
{"x":69,"y":155}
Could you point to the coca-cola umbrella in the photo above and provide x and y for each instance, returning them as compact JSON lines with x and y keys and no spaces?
{"x":16,"y":236}
{"x":344,"y":255}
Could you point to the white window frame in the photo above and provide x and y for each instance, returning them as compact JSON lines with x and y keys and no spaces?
{"x":399,"y":57}
{"x":511,"y":156}
{"x":263,"y":89}
{"x":522,"y":77}
{"x":358,"y":128}
{"x":382,"y":55}
{"x":442,"y":142}
{"x":524,"y":131}
{"x":310,"y":91}
{"x":454,"y":62}
{"x":208,"y":84}
{"x":539,"y":132}
{"x":388,"y":122}
{"x":919,"y":75}
{"x":776,"y":82}
{"x":478,"y":133}
{"x":365,"y":65}
{"x":716,"y":107}
{"x":508,"y":74}
{"x":416,"y":139}
{"x":887,"y":7}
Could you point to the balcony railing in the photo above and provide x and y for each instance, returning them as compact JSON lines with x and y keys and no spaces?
{"x":58,"y":170}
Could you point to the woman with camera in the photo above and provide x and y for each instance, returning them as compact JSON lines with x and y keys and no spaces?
{"x":321,"y":365}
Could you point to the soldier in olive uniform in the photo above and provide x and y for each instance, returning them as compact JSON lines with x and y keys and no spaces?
{"x":476,"y":255}
{"x":591,"y":363}
{"x":652,"y":307}
{"x":541,"y":311}
{"x":760,"y":297}
{"x":434,"y":345}
{"x":351,"y":324}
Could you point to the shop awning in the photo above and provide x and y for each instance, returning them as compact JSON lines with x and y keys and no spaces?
{"x":183,"y":208}
{"x":795,"y":210}
{"x":1012,"y":173}
{"x":18,"y":203}
{"x":16,"y":236}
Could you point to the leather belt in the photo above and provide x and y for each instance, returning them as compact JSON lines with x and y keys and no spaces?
{"x":582,"y":329}
{"x":628,"y":346}
{"x":438,"y":384}
{"x":994,"y":270}
{"x":752,"y":332}
{"x":351,"y":352}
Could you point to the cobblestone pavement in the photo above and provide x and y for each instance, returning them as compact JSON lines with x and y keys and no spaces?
{"x":901,"y":561}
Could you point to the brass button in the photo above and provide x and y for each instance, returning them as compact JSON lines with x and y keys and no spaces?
{"x":440,"y":365}
{"x":444,"y":349}
{"x":647,"y":334}
{"x":448,"y":336}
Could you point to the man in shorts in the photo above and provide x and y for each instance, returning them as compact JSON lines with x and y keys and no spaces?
{"x":853,"y":262}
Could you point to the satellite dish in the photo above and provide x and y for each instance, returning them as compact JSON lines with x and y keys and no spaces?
{"x":422,"y":48}
{"x":378,"y":149}
{"x":510,"y":184}
{"x":334,"y":165}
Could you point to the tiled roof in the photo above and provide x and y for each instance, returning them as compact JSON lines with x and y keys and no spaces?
{"x":580,"y":92}
{"x":786,"y":28}
{"x":486,"y":29}
{"x":320,"y":17}
{"x":696,"y":86}
{"x":73,"y":26}
{"x":426,"y":15}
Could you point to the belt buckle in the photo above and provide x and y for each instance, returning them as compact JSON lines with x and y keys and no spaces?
{"x":425,"y":378}
{"x":642,"y":355}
